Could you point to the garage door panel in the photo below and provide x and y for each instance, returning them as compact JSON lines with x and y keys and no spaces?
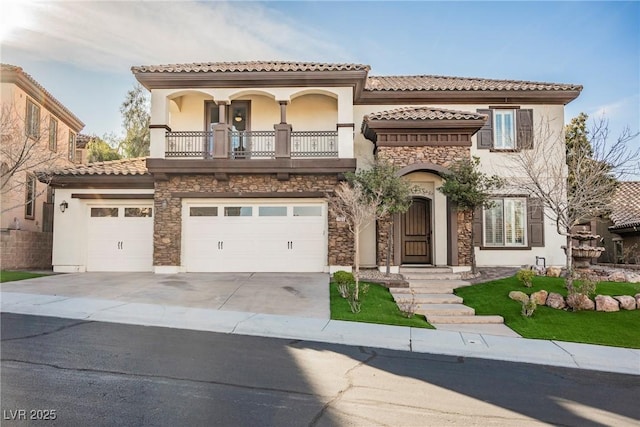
{"x":271,"y":242}
{"x":120,"y":243}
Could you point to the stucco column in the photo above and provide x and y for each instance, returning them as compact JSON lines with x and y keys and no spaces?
{"x":345,"y":125}
{"x":283,"y":111}
{"x":159,"y":123}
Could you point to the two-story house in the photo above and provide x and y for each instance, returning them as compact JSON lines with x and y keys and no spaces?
{"x":37,"y":132}
{"x":244,"y":157}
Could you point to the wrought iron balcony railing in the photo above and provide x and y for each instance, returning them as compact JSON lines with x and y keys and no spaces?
{"x":251,"y":144}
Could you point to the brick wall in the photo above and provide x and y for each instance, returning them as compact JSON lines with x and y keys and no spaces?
{"x":23,"y":250}
{"x":168,"y":220}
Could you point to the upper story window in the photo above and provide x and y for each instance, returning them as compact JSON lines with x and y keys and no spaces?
{"x":53,"y":134}
{"x":30,"y":197}
{"x":32,"y":120}
{"x":506,"y":129}
{"x":72,"y":146}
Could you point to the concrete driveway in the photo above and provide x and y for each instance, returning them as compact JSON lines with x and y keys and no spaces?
{"x":291,"y":294}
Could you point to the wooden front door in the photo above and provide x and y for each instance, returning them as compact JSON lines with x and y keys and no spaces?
{"x":416,"y":233}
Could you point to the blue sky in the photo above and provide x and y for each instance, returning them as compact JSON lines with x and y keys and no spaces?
{"x":82,"y":51}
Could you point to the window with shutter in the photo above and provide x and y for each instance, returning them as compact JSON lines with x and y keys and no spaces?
{"x":506,"y":129}
{"x":505,"y":223}
{"x":485,"y":134}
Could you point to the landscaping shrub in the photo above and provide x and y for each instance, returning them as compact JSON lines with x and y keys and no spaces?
{"x":525,"y":276}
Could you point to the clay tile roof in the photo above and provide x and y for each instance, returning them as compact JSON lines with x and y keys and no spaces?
{"x":249,"y":66}
{"x":82,"y":140}
{"x":135,"y":166}
{"x":424,"y":113}
{"x":429,"y":83}
{"x":625,"y":209}
{"x":8,"y":69}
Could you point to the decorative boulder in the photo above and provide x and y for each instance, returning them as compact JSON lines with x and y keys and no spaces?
{"x":626,"y":302}
{"x":580,"y":302}
{"x":554,"y":271}
{"x":633,"y":277}
{"x":556,"y":301}
{"x":540,"y":297}
{"x":606,"y":303}
{"x":637,"y":297}
{"x":519,"y":296}
{"x":540,"y":270}
{"x":617,"y":276}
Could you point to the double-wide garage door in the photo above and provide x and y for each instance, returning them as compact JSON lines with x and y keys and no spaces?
{"x":120,"y":237}
{"x":254,"y":236}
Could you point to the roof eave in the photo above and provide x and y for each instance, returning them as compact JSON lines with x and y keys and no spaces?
{"x":24,"y":82}
{"x":181,"y":80}
{"x":102,"y":181}
{"x":468,"y":96}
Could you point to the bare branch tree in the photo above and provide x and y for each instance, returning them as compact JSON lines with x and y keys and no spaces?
{"x":351,"y":203}
{"x":23,"y":150}
{"x":575,"y":181}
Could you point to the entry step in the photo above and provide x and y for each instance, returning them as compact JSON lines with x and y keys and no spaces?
{"x":443,"y":319}
{"x":423,"y":298}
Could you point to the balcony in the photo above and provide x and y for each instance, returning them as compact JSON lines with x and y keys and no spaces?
{"x":250,"y":144}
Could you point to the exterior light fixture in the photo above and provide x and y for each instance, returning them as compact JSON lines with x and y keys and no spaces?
{"x":63,"y":206}
{"x":238,"y":117}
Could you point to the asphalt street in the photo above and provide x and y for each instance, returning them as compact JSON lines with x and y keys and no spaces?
{"x":90,"y":373}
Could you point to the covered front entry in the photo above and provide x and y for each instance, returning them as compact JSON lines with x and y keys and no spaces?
{"x":415,"y":238}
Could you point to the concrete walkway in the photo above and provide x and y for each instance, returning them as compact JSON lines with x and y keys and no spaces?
{"x":462,"y":344}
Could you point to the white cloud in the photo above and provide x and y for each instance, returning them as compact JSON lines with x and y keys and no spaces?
{"x":114,"y":34}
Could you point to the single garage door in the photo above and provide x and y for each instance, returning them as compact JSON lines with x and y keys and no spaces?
{"x":120,"y":238}
{"x":255,"y":237}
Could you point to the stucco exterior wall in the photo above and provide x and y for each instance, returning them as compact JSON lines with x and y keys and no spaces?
{"x":15,"y":98}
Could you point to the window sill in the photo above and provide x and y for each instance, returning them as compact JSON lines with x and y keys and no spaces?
{"x":504,"y":248}
{"x":504,"y":150}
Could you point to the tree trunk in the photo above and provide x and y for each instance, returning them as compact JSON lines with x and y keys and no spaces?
{"x":569,"y":263}
{"x":356,"y":261}
{"x":389,"y":243}
{"x":472,"y":250}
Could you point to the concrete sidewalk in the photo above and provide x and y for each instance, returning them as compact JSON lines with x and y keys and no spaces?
{"x":543,"y":352}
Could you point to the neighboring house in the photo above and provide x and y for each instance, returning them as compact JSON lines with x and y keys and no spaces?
{"x":245,"y":155}
{"x":38,"y":132}
{"x":621,"y":233}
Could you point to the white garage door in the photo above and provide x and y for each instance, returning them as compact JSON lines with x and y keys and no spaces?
{"x":120,"y":238}
{"x":255,"y":237}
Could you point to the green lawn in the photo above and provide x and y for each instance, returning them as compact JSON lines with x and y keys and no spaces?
{"x":618,"y":329}
{"x":10,"y":276}
{"x":378,"y":306}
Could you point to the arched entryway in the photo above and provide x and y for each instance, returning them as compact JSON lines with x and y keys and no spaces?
{"x":416,"y":234}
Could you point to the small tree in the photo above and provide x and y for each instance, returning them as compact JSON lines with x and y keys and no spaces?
{"x":390,"y":193}
{"x":470,"y":189}
{"x":574,"y":174}
{"x":351,"y":203}
{"x":135,"y":120}
{"x":101,"y":151}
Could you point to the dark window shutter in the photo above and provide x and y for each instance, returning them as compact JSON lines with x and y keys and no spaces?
{"x":535,"y":220}
{"x":477,"y":227}
{"x":524,"y":122}
{"x":485,"y":134}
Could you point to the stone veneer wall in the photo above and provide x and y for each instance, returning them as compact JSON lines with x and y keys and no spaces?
{"x":438,"y":155}
{"x":464,"y":238}
{"x":23,"y":249}
{"x":168,"y":221}
{"x":405,"y":156}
